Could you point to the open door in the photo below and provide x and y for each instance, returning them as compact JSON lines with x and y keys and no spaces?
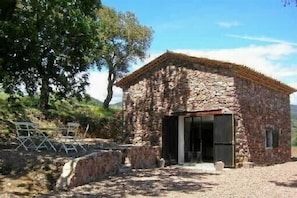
{"x":170,"y":140}
{"x":224,"y":139}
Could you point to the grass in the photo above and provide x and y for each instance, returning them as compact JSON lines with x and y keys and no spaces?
{"x":103,"y":123}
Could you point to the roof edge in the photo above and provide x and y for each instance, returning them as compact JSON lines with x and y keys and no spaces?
{"x":240,"y":71}
{"x":121,"y":83}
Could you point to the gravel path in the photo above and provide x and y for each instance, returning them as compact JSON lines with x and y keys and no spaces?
{"x":272,"y":181}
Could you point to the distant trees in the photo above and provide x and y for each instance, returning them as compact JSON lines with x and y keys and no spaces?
{"x":46,"y":45}
{"x":124,"y":41}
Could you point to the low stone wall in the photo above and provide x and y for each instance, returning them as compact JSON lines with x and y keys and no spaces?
{"x":103,"y":163}
{"x":143,"y":156}
{"x":89,"y":168}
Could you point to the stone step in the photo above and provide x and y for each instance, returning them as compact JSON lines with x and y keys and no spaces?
{"x":125,"y":168}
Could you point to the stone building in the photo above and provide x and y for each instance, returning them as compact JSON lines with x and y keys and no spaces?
{"x":202,"y":110}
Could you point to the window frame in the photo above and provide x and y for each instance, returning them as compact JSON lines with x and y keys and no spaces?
{"x":271,"y":137}
{"x":268,"y":138}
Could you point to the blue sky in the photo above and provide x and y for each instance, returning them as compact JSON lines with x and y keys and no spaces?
{"x":260,"y":34}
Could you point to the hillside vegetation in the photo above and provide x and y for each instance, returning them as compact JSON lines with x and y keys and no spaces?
{"x":103,"y":123}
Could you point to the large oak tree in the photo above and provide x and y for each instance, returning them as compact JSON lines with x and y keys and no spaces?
{"x":124,"y":42}
{"x":47,"y":45}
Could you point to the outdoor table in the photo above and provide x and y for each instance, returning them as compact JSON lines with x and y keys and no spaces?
{"x":48,"y":134}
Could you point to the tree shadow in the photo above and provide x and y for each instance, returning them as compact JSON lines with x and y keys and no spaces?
{"x":33,"y":168}
{"x":290,"y":183}
{"x":145,"y":182}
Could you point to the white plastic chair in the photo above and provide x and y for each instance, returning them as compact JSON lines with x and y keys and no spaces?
{"x":24,"y":134}
{"x":68,"y":140}
{"x":29,"y":136}
{"x":81,"y":140}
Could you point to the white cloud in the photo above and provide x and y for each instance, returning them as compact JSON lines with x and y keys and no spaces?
{"x":98,"y":82}
{"x":98,"y":87}
{"x":262,"y":38}
{"x":293,"y":97}
{"x":261,"y":58}
{"x":228,"y":24}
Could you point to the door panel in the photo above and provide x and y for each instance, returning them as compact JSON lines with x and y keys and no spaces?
{"x":170,"y":140}
{"x":224,"y":153}
{"x":224,"y":139}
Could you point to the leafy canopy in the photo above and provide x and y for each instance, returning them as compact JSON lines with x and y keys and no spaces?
{"x":124,"y":42}
{"x":46,"y":45}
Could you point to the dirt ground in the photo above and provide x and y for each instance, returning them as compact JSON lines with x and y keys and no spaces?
{"x":30,"y":173}
{"x":33,"y":174}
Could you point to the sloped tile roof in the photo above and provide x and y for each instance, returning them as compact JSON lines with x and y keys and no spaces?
{"x":240,"y":71}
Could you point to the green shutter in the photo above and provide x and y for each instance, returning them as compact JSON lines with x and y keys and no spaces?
{"x":275,"y":138}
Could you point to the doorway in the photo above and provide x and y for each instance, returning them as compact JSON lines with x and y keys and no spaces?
{"x":170,"y":139}
{"x":198,"y":139}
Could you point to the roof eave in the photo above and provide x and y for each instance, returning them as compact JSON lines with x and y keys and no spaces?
{"x":241,"y":71}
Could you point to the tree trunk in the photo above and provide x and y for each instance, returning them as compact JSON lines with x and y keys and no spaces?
{"x":111,"y":79}
{"x":44,"y":93}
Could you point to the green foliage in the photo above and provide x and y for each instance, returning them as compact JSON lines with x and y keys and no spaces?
{"x":7,"y":8}
{"x":46,"y":47}
{"x":124,"y":42}
{"x":103,"y":123}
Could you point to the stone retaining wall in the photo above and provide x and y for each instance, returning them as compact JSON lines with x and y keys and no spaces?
{"x":99,"y":164}
{"x":89,"y":168}
{"x":143,"y":156}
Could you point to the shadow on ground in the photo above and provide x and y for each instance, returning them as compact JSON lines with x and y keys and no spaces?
{"x":30,"y":173}
{"x":145,"y":182}
{"x":27,"y":173}
{"x":290,"y":183}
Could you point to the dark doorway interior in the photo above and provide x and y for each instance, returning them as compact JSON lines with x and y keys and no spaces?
{"x":170,"y":140}
{"x":198,"y":136}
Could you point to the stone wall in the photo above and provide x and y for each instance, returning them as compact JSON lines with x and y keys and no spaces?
{"x":103,"y":163}
{"x":89,"y":168}
{"x":176,"y":86}
{"x":258,"y":108}
{"x":143,"y":156}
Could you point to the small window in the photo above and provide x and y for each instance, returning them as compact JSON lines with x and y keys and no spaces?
{"x":268,"y":138}
{"x":271,"y":137}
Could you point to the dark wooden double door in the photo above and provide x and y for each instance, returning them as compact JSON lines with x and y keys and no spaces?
{"x":215,"y":141}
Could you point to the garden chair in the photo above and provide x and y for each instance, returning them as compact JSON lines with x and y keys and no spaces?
{"x":68,"y":140}
{"x":82,"y":140}
{"x":45,"y":139}
{"x":25,"y":133}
